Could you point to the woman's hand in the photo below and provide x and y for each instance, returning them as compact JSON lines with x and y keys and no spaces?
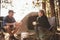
{"x":34,"y":23}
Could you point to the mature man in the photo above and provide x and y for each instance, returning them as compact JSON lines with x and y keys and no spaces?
{"x":9,"y":23}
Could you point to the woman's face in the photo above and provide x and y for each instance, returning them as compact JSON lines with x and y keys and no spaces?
{"x":40,"y":14}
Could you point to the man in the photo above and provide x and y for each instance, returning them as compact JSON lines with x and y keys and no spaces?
{"x":9,"y":23}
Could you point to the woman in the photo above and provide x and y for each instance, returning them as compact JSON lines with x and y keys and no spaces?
{"x":43,"y":20}
{"x":42,"y":25}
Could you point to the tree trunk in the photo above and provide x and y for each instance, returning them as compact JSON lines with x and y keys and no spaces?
{"x":59,"y":7}
{"x":0,"y":1}
{"x":52,"y":6}
{"x":44,"y":6}
{"x":59,"y":11}
{"x":0,"y":7}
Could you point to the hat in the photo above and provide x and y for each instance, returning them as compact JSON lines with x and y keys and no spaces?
{"x":11,"y":11}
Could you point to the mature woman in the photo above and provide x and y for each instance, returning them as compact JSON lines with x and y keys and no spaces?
{"x":42,"y":25}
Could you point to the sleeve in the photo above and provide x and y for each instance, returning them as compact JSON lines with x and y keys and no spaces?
{"x":14,"y":20}
{"x":4,"y":21}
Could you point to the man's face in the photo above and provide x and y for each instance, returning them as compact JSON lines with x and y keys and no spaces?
{"x":11,"y":14}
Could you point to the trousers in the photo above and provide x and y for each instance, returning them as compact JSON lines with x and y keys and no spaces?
{"x":43,"y":33}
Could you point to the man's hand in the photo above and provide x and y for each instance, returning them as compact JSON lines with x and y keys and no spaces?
{"x":17,"y":25}
{"x":9,"y":24}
